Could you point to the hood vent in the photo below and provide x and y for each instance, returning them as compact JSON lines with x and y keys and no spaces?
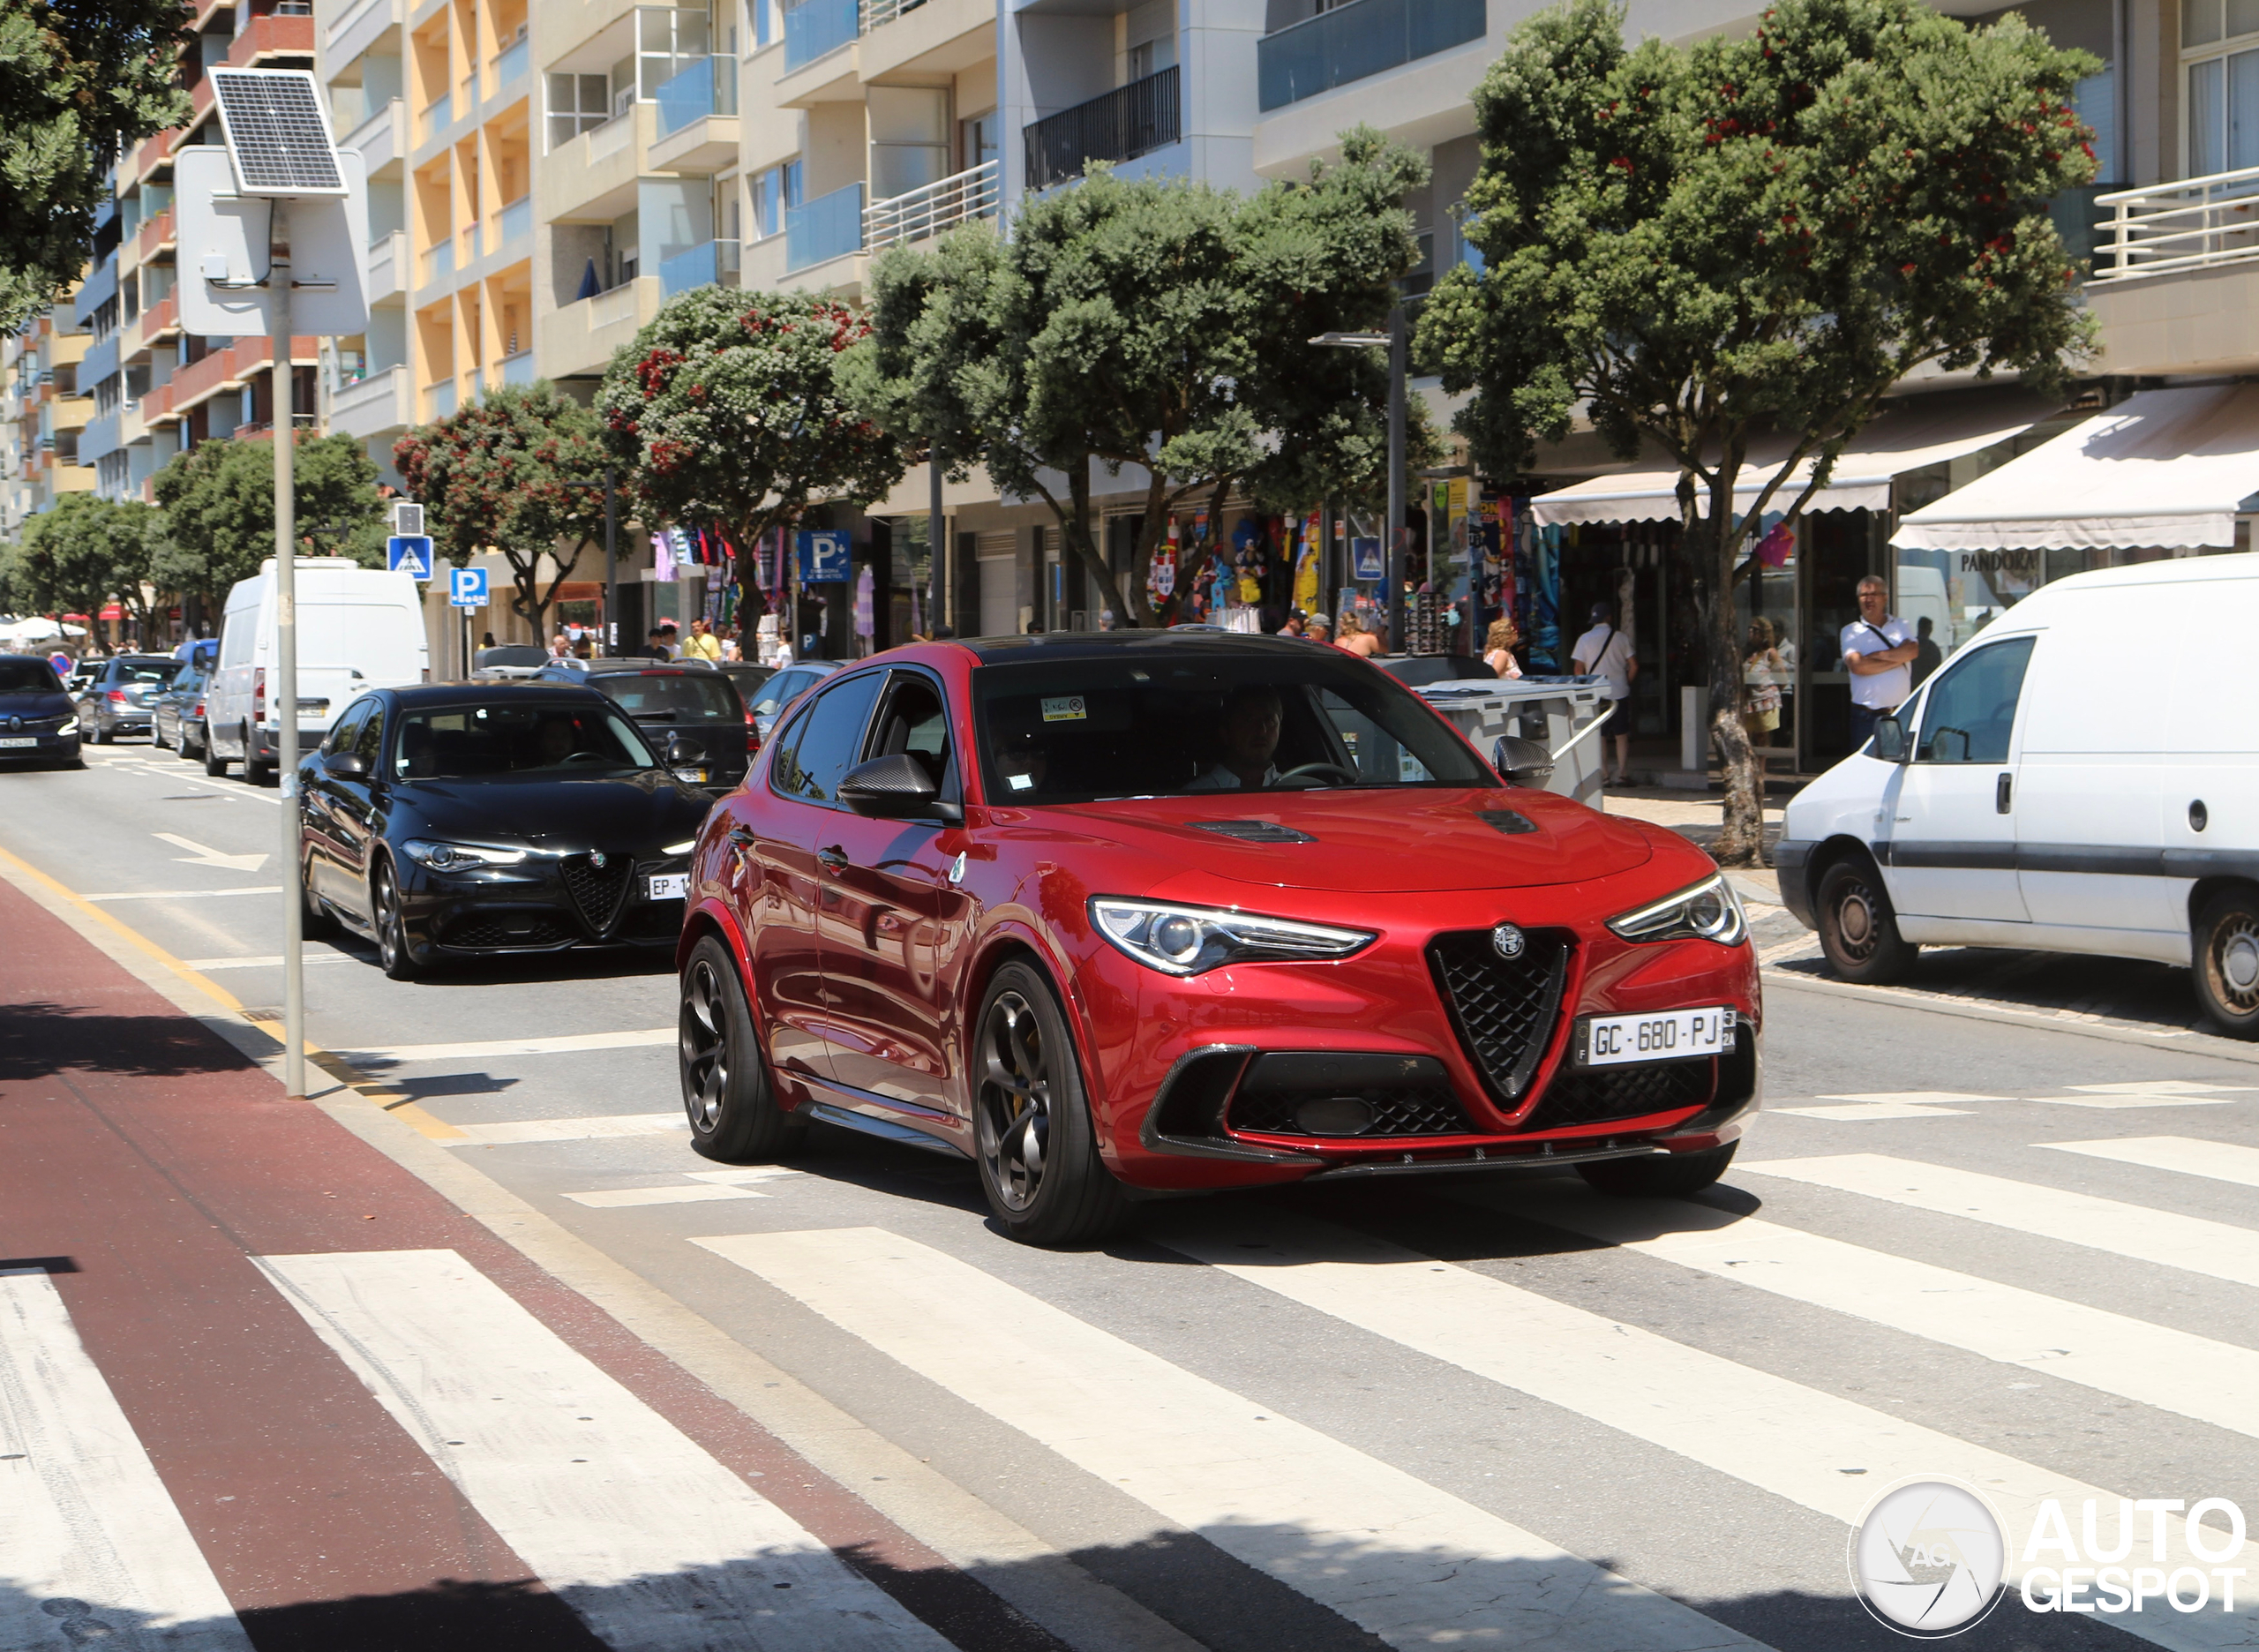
{"x":1256,"y":831}
{"x":1506,"y":821}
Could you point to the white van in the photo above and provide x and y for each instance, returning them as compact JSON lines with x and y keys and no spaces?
{"x":358,"y":628}
{"x":2083,"y":776}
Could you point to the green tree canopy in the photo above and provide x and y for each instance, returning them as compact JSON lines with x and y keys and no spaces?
{"x":726,"y":412}
{"x":520,"y":471}
{"x":80,"y":80}
{"x":1158,"y":323}
{"x":218,"y":500}
{"x":84,"y":551}
{"x":1700,"y":246}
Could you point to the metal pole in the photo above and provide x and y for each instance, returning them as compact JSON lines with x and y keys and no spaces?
{"x":285,"y":677}
{"x":611,"y":638}
{"x":936,"y":547}
{"x":1397,"y":350}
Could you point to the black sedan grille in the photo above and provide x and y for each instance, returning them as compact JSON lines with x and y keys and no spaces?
{"x":1504,"y":1010}
{"x":1601,"y":1095}
{"x":598,"y":891}
{"x":483,"y":932}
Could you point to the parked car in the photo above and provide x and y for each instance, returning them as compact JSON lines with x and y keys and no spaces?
{"x":38,"y":721}
{"x":785,"y":686}
{"x":749,"y":676}
{"x":470,"y":820}
{"x":176,"y":719}
{"x":689,"y":702}
{"x":508,"y":661}
{"x":2016,"y":801}
{"x":1185,"y":912}
{"x":357,"y":628}
{"x":120,"y":698}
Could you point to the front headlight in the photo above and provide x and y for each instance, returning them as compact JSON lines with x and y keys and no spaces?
{"x":684,"y":847}
{"x":447,"y":856}
{"x":1188,"y":940}
{"x":1709,"y":911}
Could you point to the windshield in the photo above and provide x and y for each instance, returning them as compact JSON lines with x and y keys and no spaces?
{"x":146,"y":671}
{"x":473,"y":742}
{"x":29,"y":676}
{"x":691,"y":697}
{"x":1163,"y":725}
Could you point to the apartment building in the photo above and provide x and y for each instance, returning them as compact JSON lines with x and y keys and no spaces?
{"x":45,"y":408}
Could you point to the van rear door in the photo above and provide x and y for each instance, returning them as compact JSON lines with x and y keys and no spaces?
{"x":1948,"y":844}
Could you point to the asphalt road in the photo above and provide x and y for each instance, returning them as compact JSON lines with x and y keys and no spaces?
{"x":2002,"y":1226}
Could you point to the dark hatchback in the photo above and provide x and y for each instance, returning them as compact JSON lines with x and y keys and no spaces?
{"x":691,"y":710}
{"x":38,"y":723}
{"x":121,"y":698}
{"x":472,"y":820}
{"x":176,"y":715}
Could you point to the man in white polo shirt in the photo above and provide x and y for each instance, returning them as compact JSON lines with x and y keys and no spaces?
{"x":1878,"y":649}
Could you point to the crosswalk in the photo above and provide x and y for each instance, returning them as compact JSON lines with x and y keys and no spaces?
{"x":654,"y":1541}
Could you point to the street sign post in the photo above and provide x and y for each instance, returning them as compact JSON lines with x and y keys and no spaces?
{"x":466,"y":588}
{"x":409,"y":554}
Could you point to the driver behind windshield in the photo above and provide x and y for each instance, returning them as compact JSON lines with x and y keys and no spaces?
{"x":1253,"y":714}
{"x":557,"y":740}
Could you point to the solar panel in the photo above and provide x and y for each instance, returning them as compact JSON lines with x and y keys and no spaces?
{"x":276,"y":132}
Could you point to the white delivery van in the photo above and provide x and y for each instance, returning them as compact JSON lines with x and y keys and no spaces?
{"x":358,"y":628}
{"x":2083,"y":776}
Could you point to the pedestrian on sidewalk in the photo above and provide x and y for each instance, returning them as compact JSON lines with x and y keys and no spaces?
{"x":1606,"y":652}
{"x":1318,"y":628}
{"x":1355,"y":638}
{"x":1879,"y":650}
{"x":704,"y":644}
{"x":1498,"y":648}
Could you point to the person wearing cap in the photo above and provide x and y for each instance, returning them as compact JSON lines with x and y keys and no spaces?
{"x":1606,"y":652}
{"x":1318,"y":628}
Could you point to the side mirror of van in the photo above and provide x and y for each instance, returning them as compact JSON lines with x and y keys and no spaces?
{"x":1890,"y":739}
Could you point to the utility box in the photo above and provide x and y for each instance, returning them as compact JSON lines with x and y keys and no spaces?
{"x":1557,"y":712}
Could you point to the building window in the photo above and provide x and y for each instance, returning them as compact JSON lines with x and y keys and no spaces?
{"x":577,"y":103}
{"x":980,"y":139}
{"x":775,"y":193}
{"x":764,"y":22}
{"x":2219,"y":45}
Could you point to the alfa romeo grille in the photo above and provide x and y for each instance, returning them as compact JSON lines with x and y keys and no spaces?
{"x":1597,"y":1096}
{"x":598,"y":891}
{"x":1504,"y":1009}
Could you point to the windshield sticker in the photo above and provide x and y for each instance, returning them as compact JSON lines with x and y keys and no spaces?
{"x":1064,"y":709}
{"x":1021,"y":783}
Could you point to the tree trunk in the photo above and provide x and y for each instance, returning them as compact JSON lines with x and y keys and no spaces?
{"x":1741,"y":840}
{"x":1077,"y":531}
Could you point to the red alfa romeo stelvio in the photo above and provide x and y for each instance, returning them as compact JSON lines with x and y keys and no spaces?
{"x":1145,"y":913}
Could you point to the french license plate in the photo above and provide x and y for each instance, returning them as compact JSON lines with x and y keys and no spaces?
{"x":21,"y":739}
{"x":670,"y":886}
{"x":1668,"y":1035}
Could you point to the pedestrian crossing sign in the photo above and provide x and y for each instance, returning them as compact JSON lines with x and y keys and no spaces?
{"x":409,"y":554}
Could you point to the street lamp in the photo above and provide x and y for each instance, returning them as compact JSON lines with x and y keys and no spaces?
{"x":1394,"y":338}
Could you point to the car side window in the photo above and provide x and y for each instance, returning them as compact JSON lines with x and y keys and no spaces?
{"x":369,"y":739}
{"x":1970,"y":709}
{"x":916,"y":721}
{"x":347,"y":730}
{"x":824,"y":741}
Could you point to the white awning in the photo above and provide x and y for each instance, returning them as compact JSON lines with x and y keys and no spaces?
{"x":1933,"y":430}
{"x":2162,"y":469}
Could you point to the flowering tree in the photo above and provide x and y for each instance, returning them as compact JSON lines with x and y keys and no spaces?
{"x":1700,"y":246}
{"x":520,"y":472}
{"x":726,"y":413}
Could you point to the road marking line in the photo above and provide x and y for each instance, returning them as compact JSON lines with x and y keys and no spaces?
{"x":1916,"y":1098}
{"x":1402,"y":1560}
{"x":744,"y":1175}
{"x":2161,"y":1086}
{"x":2120,"y":1103}
{"x":127,"y":895}
{"x":83,"y":1514}
{"x":1793,"y":1441}
{"x":672,"y":1193}
{"x":1867,"y":1111}
{"x":655,"y":1543}
{"x":2170,"y":1240}
{"x":565,"y":1044}
{"x":275,"y":962}
{"x":2220,"y":1161}
{"x":603,"y":1127}
{"x":2151,"y":1364}
{"x":199,"y":855}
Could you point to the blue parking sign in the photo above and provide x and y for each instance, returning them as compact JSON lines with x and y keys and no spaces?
{"x":823,"y":556}
{"x":409,"y":554}
{"x":467,"y":586}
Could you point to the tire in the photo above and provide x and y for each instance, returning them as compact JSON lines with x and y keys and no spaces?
{"x":2226,"y":963}
{"x":1036,"y":1147}
{"x":1672,"y":1177}
{"x":317,"y":924}
{"x":255,"y":772}
{"x":391,"y":927}
{"x":187,"y":753}
{"x":104,"y":735}
{"x":214,"y":765}
{"x":734,"y":1118}
{"x":157,"y":736}
{"x":1858,"y":929}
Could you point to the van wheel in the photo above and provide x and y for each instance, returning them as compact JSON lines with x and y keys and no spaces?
{"x":214,"y":765}
{"x":254,"y":771}
{"x":2226,"y":963}
{"x":1857,"y":930}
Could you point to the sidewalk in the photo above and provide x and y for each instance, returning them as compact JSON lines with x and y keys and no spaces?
{"x":1702,"y":818}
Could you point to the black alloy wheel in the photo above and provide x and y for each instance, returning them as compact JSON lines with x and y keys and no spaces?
{"x":1038,"y":1152}
{"x":1858,"y":929}
{"x":734,"y":1117}
{"x":391,"y":925}
{"x":2225,"y":956}
{"x":1670,"y":1177}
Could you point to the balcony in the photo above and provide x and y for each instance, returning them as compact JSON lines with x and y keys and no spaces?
{"x":388,"y":266}
{"x":592,"y":178}
{"x":439,"y":263}
{"x":714,"y":263}
{"x":2193,"y":224}
{"x":697,"y":127}
{"x":511,"y":63}
{"x":358,"y":27}
{"x":99,"y":440}
{"x":518,"y":369}
{"x":925,"y":213}
{"x":514,"y":222}
{"x":1120,"y":125}
{"x":159,"y":323}
{"x":2176,"y":287}
{"x":382,"y":139}
{"x":815,"y":28}
{"x":923,"y":38}
{"x":153,"y":237}
{"x":1350,"y":42}
{"x":225,"y":370}
{"x":442,"y":399}
{"x":437,"y":115}
{"x":372,"y":406}
{"x":272,"y":35}
{"x":577,"y":339}
{"x":829,"y":227}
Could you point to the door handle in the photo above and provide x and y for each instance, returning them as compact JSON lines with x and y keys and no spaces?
{"x":2003,"y":793}
{"x":833,"y":859}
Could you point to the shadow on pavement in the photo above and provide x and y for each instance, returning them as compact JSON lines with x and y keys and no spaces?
{"x":37,"y":1040}
{"x":2135,"y":991}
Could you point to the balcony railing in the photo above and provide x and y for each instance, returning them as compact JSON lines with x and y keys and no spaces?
{"x":827,"y":228}
{"x":1366,"y":37}
{"x":515,"y":220}
{"x":438,"y":115}
{"x":878,"y":13}
{"x":816,"y":26}
{"x":714,"y":262}
{"x":439,"y":261}
{"x":709,"y":87}
{"x":512,"y":61}
{"x":928,"y":212}
{"x":443,"y":398}
{"x":2190,"y":224}
{"x":518,"y":369}
{"x":1120,"y":125}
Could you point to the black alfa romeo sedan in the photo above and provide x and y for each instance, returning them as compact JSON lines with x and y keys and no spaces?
{"x":467,"y":820}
